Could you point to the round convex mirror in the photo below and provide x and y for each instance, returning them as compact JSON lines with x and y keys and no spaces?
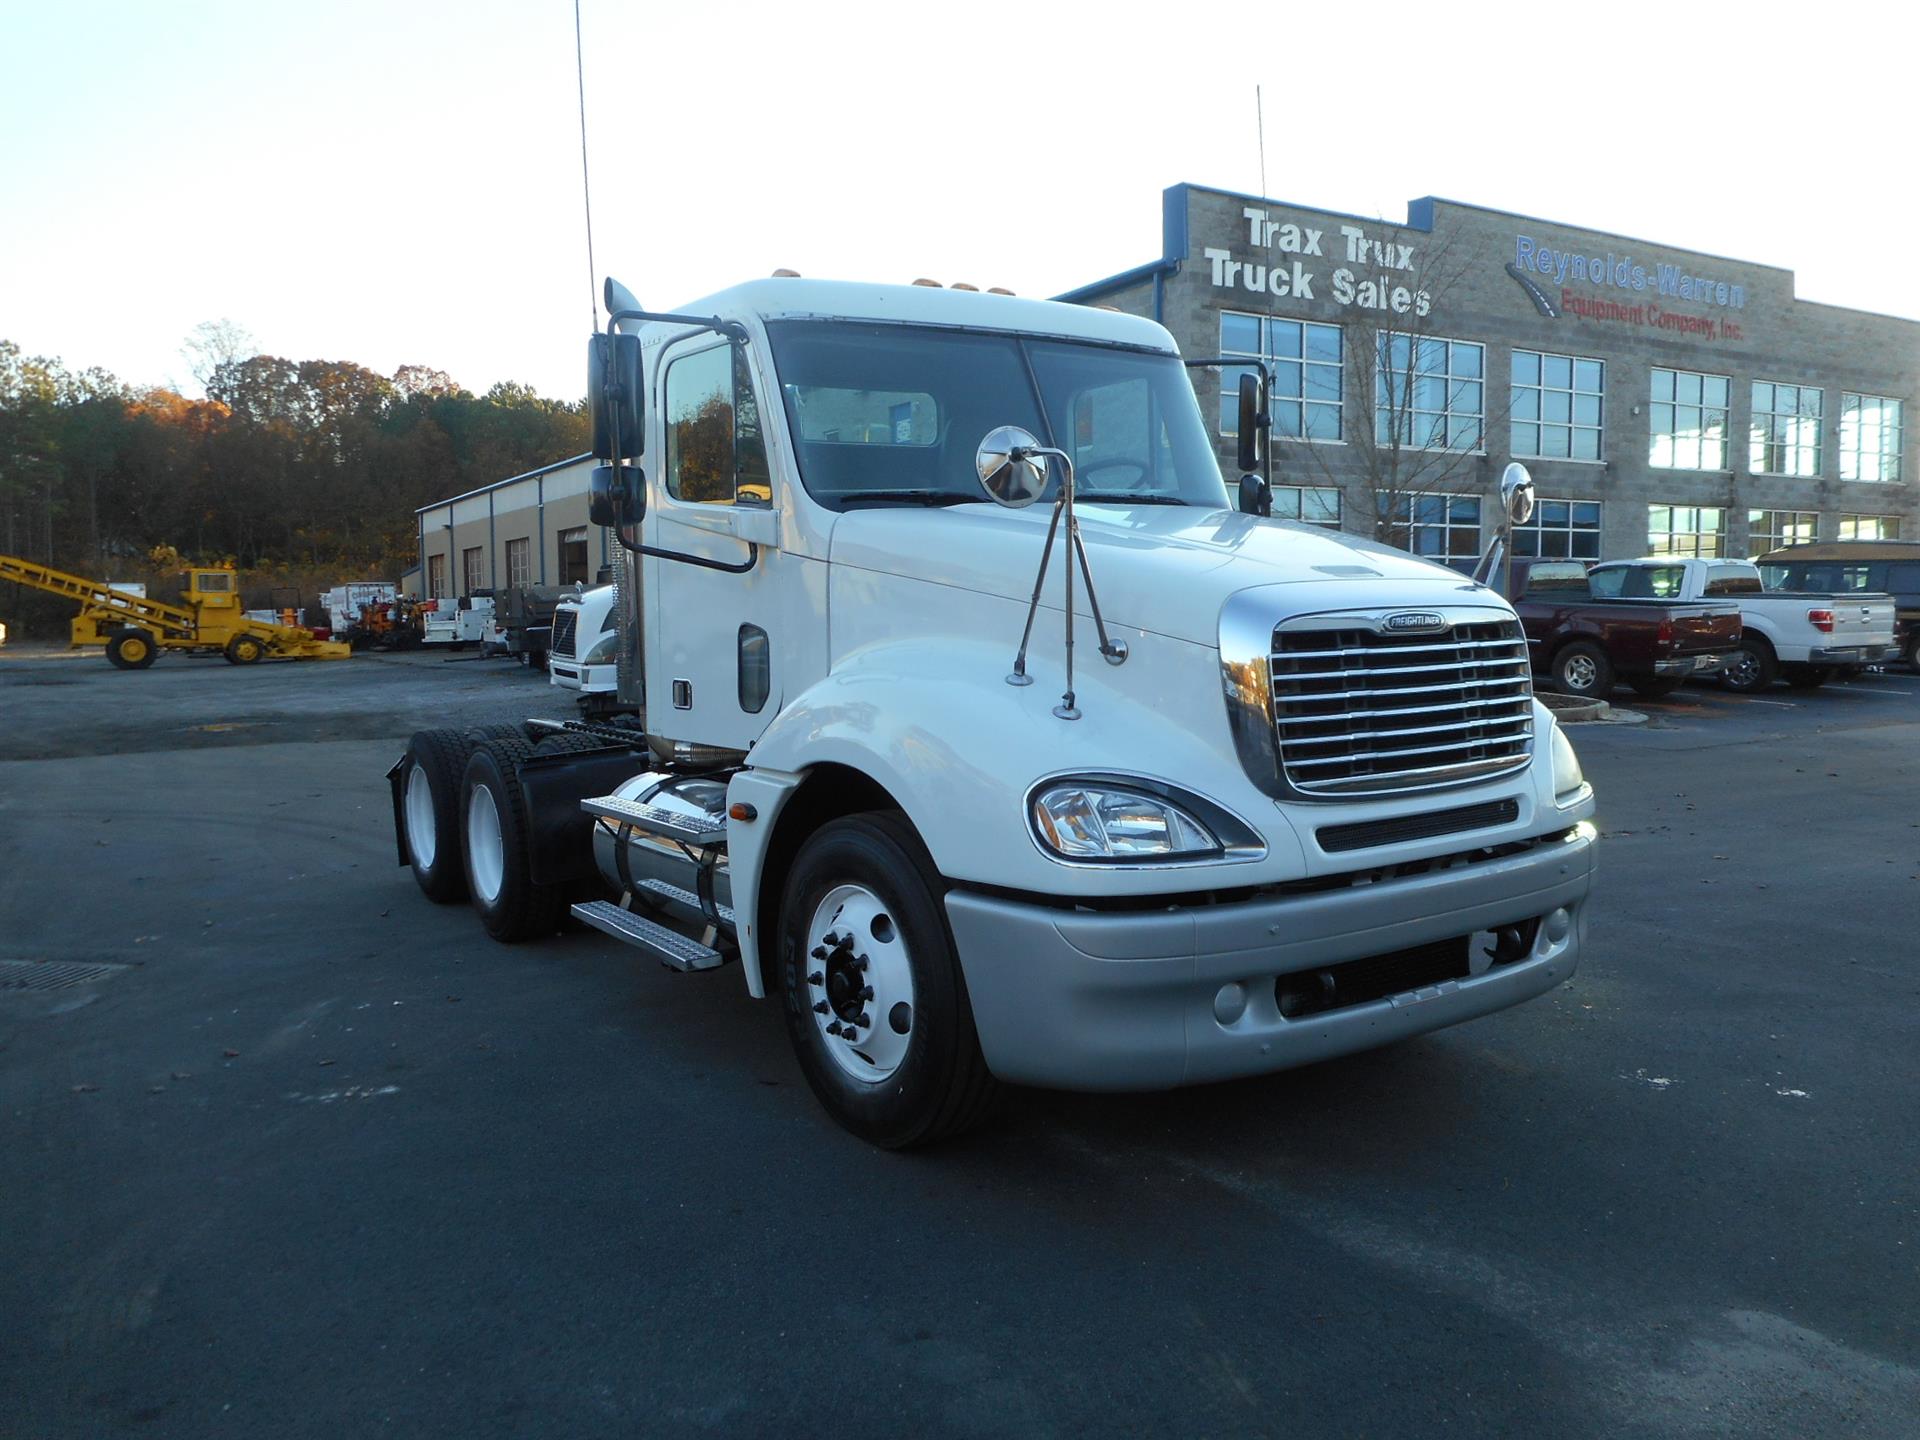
{"x":1014,"y":483}
{"x":1516,"y":493}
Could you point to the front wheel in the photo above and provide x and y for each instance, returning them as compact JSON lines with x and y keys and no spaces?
{"x":1751,"y":669}
{"x":876,"y":1004}
{"x":1583,"y":669}
{"x":245,"y":650}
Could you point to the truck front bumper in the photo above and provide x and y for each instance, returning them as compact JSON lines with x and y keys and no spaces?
{"x":1148,"y":1000}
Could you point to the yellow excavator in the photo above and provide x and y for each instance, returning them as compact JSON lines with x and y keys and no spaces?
{"x":207,"y":621}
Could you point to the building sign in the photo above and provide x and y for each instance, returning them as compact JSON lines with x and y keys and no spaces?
{"x":1628,"y":290}
{"x":1338,"y":262}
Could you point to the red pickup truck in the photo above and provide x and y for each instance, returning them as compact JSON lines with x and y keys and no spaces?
{"x":1586,"y":642}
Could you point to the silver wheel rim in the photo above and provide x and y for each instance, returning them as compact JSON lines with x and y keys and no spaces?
{"x":860,"y":983}
{"x":486,"y":855}
{"x":1581,"y":672}
{"x":1744,"y":670}
{"x":422,"y":836}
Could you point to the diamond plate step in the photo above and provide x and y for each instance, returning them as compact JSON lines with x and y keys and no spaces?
{"x":669,"y":947}
{"x":652,"y":820}
{"x":673,"y":894}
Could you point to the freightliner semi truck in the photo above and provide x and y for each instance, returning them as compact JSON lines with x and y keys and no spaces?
{"x":979,"y":728}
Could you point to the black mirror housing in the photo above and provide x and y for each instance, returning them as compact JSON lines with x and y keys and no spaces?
{"x":617,"y":495}
{"x":1253,"y":421}
{"x":616,"y":394}
{"x":1256,"y":495}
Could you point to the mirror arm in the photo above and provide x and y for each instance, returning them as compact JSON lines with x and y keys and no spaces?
{"x":732,"y":329}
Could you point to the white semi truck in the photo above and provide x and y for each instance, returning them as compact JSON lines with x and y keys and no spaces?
{"x":583,"y":656}
{"x":1124,"y":789}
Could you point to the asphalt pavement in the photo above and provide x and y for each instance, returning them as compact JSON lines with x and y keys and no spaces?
{"x":310,"y":1156}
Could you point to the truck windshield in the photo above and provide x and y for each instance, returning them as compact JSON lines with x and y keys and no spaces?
{"x":892,"y":414}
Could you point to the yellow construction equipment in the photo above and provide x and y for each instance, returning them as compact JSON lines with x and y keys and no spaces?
{"x":208,"y":620}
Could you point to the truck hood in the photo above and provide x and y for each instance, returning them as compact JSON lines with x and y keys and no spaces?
{"x":1161,"y":568}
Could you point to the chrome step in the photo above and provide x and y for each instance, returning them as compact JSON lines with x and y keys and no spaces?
{"x":652,"y":820}
{"x":675,"y":895}
{"x":669,"y":947}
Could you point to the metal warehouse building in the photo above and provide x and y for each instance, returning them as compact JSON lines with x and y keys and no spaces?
{"x":528,"y":530}
{"x":1667,"y":402}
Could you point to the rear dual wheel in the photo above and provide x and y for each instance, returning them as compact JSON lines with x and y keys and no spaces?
{"x":497,"y":851}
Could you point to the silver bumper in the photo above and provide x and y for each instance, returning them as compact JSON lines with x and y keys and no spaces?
{"x":1148,"y":1000}
{"x":1691,"y":665}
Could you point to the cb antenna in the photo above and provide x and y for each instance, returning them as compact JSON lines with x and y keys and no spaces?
{"x":586,"y":182}
{"x":1259,"y":120}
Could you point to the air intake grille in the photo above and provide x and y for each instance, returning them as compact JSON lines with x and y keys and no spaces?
{"x":565,"y":622}
{"x":1357,"y":712}
{"x":1364,"y":833}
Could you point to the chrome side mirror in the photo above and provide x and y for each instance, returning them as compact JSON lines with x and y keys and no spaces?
{"x":1009,"y":470}
{"x":1516,"y":493}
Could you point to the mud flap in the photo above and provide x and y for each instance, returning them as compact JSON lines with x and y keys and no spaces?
{"x":396,"y":782}
{"x":560,"y":833}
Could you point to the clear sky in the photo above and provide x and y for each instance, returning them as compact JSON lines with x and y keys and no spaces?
{"x":399,"y":182}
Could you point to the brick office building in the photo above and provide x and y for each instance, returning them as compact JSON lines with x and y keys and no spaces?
{"x":1665,"y":401}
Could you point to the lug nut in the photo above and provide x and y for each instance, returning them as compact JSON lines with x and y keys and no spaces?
{"x":866,"y":992}
{"x":862,"y":1019}
{"x":834,"y":1028}
{"x":819,"y":952}
{"x":821,"y":1008}
{"x":860,"y":962}
{"x":816,"y":978}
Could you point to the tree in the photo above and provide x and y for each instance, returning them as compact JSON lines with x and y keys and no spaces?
{"x":214,"y":343}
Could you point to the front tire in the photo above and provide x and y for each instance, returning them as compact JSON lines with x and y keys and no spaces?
{"x":1583,"y":669}
{"x":497,"y":852}
{"x":245,"y":650}
{"x":876,"y":1003}
{"x":1752,"y":669}
{"x":131,"y":650}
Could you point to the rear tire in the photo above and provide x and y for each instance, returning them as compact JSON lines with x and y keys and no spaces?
{"x":131,"y":649}
{"x":1752,"y":669}
{"x":430,"y":810}
{"x":493,"y":811}
{"x":1583,"y":669}
{"x":916,"y":1074}
{"x":1806,"y":677}
{"x":1654,"y":686}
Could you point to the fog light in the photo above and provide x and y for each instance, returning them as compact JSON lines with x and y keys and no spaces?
{"x":1559,"y":925}
{"x":1231,"y":1003}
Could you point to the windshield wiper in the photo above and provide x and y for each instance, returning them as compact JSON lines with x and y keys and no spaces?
{"x":910,"y":497}
{"x":1126,"y":497}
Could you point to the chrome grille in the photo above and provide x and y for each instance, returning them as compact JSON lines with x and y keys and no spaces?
{"x":565,"y":622}
{"x":1359,"y":712}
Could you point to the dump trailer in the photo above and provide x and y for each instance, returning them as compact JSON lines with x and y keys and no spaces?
{"x":207,"y":621}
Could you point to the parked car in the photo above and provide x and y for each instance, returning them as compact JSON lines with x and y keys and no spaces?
{"x":1887,"y":567}
{"x":1804,"y":637}
{"x":1586,"y":638}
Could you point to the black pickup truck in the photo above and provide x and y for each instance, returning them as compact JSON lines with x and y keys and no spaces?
{"x":1586,"y":643}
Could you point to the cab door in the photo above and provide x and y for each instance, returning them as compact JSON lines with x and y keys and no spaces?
{"x":713,"y":659}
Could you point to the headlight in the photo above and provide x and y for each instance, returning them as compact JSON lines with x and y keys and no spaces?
{"x":1568,"y":778}
{"x":601,"y":651}
{"x":1080,"y":821}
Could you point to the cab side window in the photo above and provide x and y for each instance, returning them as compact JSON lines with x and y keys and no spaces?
{"x":715,"y":452}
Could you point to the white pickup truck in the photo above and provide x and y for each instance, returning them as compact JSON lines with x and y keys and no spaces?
{"x":1802,"y":637}
{"x":1275,"y":795}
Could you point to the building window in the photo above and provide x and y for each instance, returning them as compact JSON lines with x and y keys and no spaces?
{"x":1306,"y":361}
{"x":436,"y":577}
{"x":1769,"y":530}
{"x":1872,"y":433}
{"x":1557,"y":403}
{"x":1685,"y":530}
{"x":473,"y":569}
{"x":1784,"y":436}
{"x":1560,"y":530}
{"x":1445,"y":528}
{"x":519,"y":556}
{"x":1428,"y":394}
{"x":573,"y":555}
{"x":1869,"y":527}
{"x":1689,"y":421}
{"x":1312,"y":505}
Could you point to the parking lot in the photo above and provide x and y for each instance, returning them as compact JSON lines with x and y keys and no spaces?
{"x":308,"y":1155}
